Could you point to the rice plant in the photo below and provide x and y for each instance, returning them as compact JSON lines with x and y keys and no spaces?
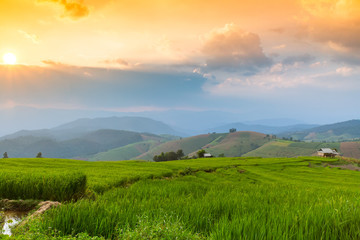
{"x":226,"y":204}
{"x":47,"y":186}
{"x":221,"y":198}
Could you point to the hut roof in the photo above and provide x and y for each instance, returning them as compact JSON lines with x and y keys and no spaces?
{"x":327,"y":150}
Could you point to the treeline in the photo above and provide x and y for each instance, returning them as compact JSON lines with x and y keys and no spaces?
{"x":169,"y":156}
{"x":39,"y":155}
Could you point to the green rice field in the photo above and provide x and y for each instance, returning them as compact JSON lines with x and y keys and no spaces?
{"x":218,"y":198}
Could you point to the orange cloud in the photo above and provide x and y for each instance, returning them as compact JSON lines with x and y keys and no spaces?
{"x":53,"y":63}
{"x":336,"y":23}
{"x":72,"y":9}
{"x":117,"y":61}
{"x":231,"y":48}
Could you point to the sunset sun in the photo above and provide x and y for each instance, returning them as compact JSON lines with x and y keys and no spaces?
{"x":9,"y":58}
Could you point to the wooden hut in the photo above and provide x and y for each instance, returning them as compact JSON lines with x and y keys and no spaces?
{"x":327,"y":152}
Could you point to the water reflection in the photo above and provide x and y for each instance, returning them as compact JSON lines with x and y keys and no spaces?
{"x":12,"y":218}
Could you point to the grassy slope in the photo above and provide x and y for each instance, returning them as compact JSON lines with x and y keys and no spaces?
{"x":230,"y":144}
{"x":332,"y":132}
{"x":280,"y":148}
{"x":278,"y":198}
{"x":188,"y":145}
{"x":89,"y":144}
{"x":101,"y":176}
{"x":127,"y":152}
{"x":236,"y":144}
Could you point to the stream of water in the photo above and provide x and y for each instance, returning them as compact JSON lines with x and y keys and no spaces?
{"x":12,"y":218}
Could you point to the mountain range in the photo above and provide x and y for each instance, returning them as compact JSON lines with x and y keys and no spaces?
{"x":80,"y":127}
{"x":122,"y":138}
{"x":262,"y":128}
{"x":348,"y":130}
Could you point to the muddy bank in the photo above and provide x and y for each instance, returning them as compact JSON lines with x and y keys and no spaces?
{"x":346,"y":166}
{"x":2,"y":218}
{"x":15,"y":212}
{"x":43,"y":207}
{"x":18,"y":205}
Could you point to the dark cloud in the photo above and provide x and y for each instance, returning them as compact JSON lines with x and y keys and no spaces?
{"x":72,"y":9}
{"x":306,"y":58}
{"x":352,"y":59}
{"x":98,"y":87}
{"x":232,"y":49}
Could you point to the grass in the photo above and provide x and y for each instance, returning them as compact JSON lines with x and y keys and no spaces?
{"x":2,"y":219}
{"x":127,"y":152}
{"x":188,"y":145}
{"x":43,"y":186}
{"x":238,"y":143}
{"x":220,"y":198}
{"x":315,"y":145}
{"x":229,"y":144}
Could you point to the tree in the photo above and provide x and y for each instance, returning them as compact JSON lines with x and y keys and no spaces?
{"x":232,"y":130}
{"x":201,"y":153}
{"x":180,"y":153}
{"x":161,"y":157}
{"x":221,"y":155}
{"x":5,"y":155}
{"x":169,"y":156}
{"x":39,"y":155}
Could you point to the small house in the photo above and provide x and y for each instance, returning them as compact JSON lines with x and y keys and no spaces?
{"x":327,"y":152}
{"x":207,"y":155}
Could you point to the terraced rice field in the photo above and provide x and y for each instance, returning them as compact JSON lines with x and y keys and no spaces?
{"x":220,"y":198}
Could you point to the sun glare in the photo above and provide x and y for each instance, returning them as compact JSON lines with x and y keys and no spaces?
{"x":9,"y":58}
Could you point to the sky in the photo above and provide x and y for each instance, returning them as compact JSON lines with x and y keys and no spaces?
{"x":241,"y":60}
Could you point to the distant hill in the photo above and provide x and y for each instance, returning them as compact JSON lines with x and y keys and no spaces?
{"x":229,"y":144}
{"x":276,"y":122}
{"x":236,"y":144}
{"x":348,"y":130}
{"x":81,"y":127}
{"x":87,"y":137}
{"x":281,"y":148}
{"x":134,"y":124}
{"x":247,"y":144}
{"x":261,"y":128}
{"x":103,"y":139}
{"x":130,"y":151}
{"x":81,"y":147}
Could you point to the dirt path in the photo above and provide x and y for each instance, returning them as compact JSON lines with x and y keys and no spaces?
{"x":43,"y":206}
{"x":350,"y":149}
{"x":347,"y":167}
